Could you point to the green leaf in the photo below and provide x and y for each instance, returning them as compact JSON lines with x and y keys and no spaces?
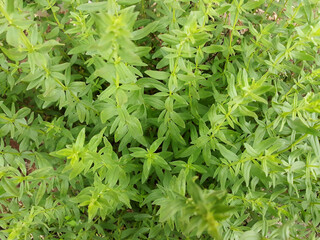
{"x":158,"y":75}
{"x":214,"y":49}
{"x":154,"y":231}
{"x":154,"y":102}
{"x":146,"y":169}
{"x":80,"y":139}
{"x":10,"y":187}
{"x":246,"y":172}
{"x":10,"y":6}
{"x":48,"y":45}
{"x":77,"y":168}
{"x":81,"y":112}
{"x":93,"y":208}
{"x":251,"y":151}
{"x":115,"y":111}
{"x":177,"y":119}
{"x":302,"y":56}
{"x":135,"y":127}
{"x":41,"y":191}
{"x":13,"y":37}
{"x":168,"y":210}
{"x":201,"y":141}
{"x":161,"y":162}
{"x":265,"y":144}
{"x":300,"y":127}
{"x":93,"y":6}
{"x":107,"y":113}
{"x":223,"y":8}
{"x":169,"y":39}
{"x":227,"y":154}
{"x":175,"y":133}
{"x":107,"y":92}
{"x":128,"y":2}
{"x":308,"y":10}
{"x":251,"y":235}
{"x":23,"y":112}
{"x":96,"y":140}
{"x":138,"y":152}
{"x":252,"y":4}
{"x":78,"y":49}
{"x":14,"y":54}
{"x":143,"y":32}
{"x":155,"y":145}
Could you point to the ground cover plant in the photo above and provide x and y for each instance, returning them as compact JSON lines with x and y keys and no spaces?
{"x":159,"y":119}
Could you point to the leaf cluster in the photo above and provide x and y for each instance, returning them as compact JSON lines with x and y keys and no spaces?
{"x":159,"y":119}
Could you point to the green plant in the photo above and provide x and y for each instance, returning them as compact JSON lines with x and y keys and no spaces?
{"x":159,"y":119}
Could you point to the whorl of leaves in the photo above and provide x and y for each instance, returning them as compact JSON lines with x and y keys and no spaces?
{"x":159,"y":119}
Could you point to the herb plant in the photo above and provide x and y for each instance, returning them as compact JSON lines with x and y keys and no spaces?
{"x":159,"y":119}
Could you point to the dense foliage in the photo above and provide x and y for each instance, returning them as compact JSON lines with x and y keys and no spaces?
{"x":159,"y":119}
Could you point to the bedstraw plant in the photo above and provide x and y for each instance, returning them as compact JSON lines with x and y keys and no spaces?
{"x":159,"y":119}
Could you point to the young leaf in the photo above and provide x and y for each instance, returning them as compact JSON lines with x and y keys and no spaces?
{"x":92,"y":6}
{"x":155,"y":145}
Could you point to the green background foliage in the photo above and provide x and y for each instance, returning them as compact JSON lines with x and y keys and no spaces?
{"x":159,"y":119}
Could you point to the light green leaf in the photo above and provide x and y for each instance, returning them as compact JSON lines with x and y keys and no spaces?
{"x":155,"y":145}
{"x":143,"y":32}
{"x":41,"y":191}
{"x":13,"y":36}
{"x":107,"y":113}
{"x":227,"y":154}
{"x":93,"y":208}
{"x":93,"y":6}
{"x":158,"y":75}
{"x":77,"y":168}
{"x":146,"y":169}
{"x":169,"y":39}
{"x":302,"y":56}
{"x":128,"y":2}
{"x":300,"y":127}
{"x":161,"y":162}
{"x":10,"y":187}
{"x":80,"y":139}
{"x":214,"y":49}
{"x":135,"y":127}
{"x":177,"y":119}
{"x":251,"y":235}
{"x":252,"y":4}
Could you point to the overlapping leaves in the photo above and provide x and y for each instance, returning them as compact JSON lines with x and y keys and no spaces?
{"x":110,"y":111}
